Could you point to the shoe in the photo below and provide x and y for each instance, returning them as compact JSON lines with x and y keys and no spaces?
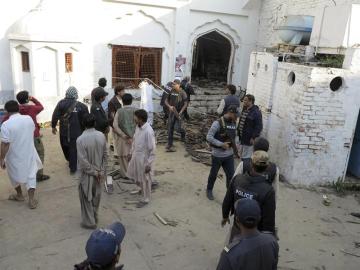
{"x":170,"y":149}
{"x":110,"y":189}
{"x":42,"y":178}
{"x":209,"y":195}
{"x":72,"y":172}
{"x":141,"y":204}
{"x":154,"y":184}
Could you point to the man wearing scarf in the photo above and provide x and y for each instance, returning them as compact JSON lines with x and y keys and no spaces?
{"x":71,"y":114}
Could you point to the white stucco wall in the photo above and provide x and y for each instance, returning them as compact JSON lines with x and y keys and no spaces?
{"x":171,"y":25}
{"x":10,"y":11}
{"x":310,"y":127}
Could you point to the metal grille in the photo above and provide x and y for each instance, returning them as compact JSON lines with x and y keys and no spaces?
{"x":130,"y":64}
{"x":68,"y":62}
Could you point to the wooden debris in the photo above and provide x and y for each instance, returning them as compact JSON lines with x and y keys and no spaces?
{"x":203,"y":151}
{"x":349,"y":253}
{"x":131,"y":202}
{"x":163,"y":221}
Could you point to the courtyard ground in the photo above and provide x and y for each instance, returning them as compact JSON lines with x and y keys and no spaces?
{"x":312,"y":236}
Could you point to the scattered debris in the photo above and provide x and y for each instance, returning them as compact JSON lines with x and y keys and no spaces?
{"x":131,"y":202}
{"x":355,"y":214}
{"x":326,"y":200}
{"x":196,"y":130}
{"x":163,"y":221}
{"x":349,"y":253}
{"x":159,"y":255}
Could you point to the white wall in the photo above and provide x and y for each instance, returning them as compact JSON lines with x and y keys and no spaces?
{"x":273,"y":13}
{"x":310,"y":127}
{"x":10,"y":11}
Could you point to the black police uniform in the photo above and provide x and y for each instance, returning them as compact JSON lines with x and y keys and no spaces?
{"x":256,"y":188}
{"x":255,"y":252}
{"x":101,"y":119}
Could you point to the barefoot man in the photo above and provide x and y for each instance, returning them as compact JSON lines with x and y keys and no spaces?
{"x":142,"y":156}
{"x":18,"y":153}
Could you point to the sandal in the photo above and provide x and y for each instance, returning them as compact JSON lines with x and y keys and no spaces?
{"x":33,"y":204}
{"x":16,"y":198}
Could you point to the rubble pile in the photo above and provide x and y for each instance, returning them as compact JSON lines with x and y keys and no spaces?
{"x":196,"y":130}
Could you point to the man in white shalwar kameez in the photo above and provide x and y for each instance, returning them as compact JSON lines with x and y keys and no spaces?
{"x":142,"y":156}
{"x":18,"y":153}
{"x":92,"y":159}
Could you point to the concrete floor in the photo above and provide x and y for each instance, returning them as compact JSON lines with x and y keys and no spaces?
{"x":311,"y":234}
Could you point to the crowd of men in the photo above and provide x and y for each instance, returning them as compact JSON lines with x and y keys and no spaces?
{"x":251,"y":188}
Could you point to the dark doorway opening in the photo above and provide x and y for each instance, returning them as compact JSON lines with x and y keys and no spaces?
{"x":353,"y":169}
{"x":211,"y":58}
{"x":131,"y":64}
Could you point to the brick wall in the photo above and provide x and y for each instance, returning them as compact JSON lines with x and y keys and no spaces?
{"x":273,"y":13}
{"x":310,"y":127}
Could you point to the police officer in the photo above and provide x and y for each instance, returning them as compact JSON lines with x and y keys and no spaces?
{"x":272,"y":172}
{"x":253,"y":186}
{"x":221,"y":137}
{"x":252,"y":250}
{"x":103,"y":249}
{"x":101,"y":119}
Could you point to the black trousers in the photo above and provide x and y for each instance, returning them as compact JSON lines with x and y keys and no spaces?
{"x":70,"y":152}
{"x":174,"y":123}
{"x":227,"y":163}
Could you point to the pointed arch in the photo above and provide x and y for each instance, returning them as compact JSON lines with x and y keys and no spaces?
{"x":224,"y":30}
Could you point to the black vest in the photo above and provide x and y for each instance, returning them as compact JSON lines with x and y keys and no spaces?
{"x":227,"y":132}
{"x":231,"y":100}
{"x":269,"y":174}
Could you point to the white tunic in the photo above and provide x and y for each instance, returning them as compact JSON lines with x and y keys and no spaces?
{"x":22,"y":160}
{"x":147,"y":97}
{"x":142,"y":154}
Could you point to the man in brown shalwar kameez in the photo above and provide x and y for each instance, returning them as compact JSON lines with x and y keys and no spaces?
{"x":92,"y":159}
{"x":142,"y":156}
{"x":124,"y":126}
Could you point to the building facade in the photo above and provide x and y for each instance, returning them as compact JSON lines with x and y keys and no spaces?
{"x":62,"y":43}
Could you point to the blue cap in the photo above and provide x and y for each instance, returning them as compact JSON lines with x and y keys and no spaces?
{"x":103,"y":244}
{"x":248,"y":212}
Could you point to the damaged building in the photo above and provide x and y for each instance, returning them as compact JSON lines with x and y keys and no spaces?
{"x":308,"y":91}
{"x":304,"y":74}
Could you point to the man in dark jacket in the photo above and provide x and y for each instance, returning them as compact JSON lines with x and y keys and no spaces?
{"x":166,"y":92}
{"x":101,"y":119}
{"x":114,"y":105}
{"x":250,"y":126}
{"x":254,"y":186}
{"x":70,"y":113}
{"x":252,"y":250}
{"x":230,"y":100}
{"x":189,"y":90}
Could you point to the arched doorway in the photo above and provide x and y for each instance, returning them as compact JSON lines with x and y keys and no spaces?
{"x":211,"y":60}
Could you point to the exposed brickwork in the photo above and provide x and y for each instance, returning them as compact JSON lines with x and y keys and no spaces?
{"x":309,"y":127}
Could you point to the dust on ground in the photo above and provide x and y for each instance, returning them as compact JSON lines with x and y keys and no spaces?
{"x":312,"y":235}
